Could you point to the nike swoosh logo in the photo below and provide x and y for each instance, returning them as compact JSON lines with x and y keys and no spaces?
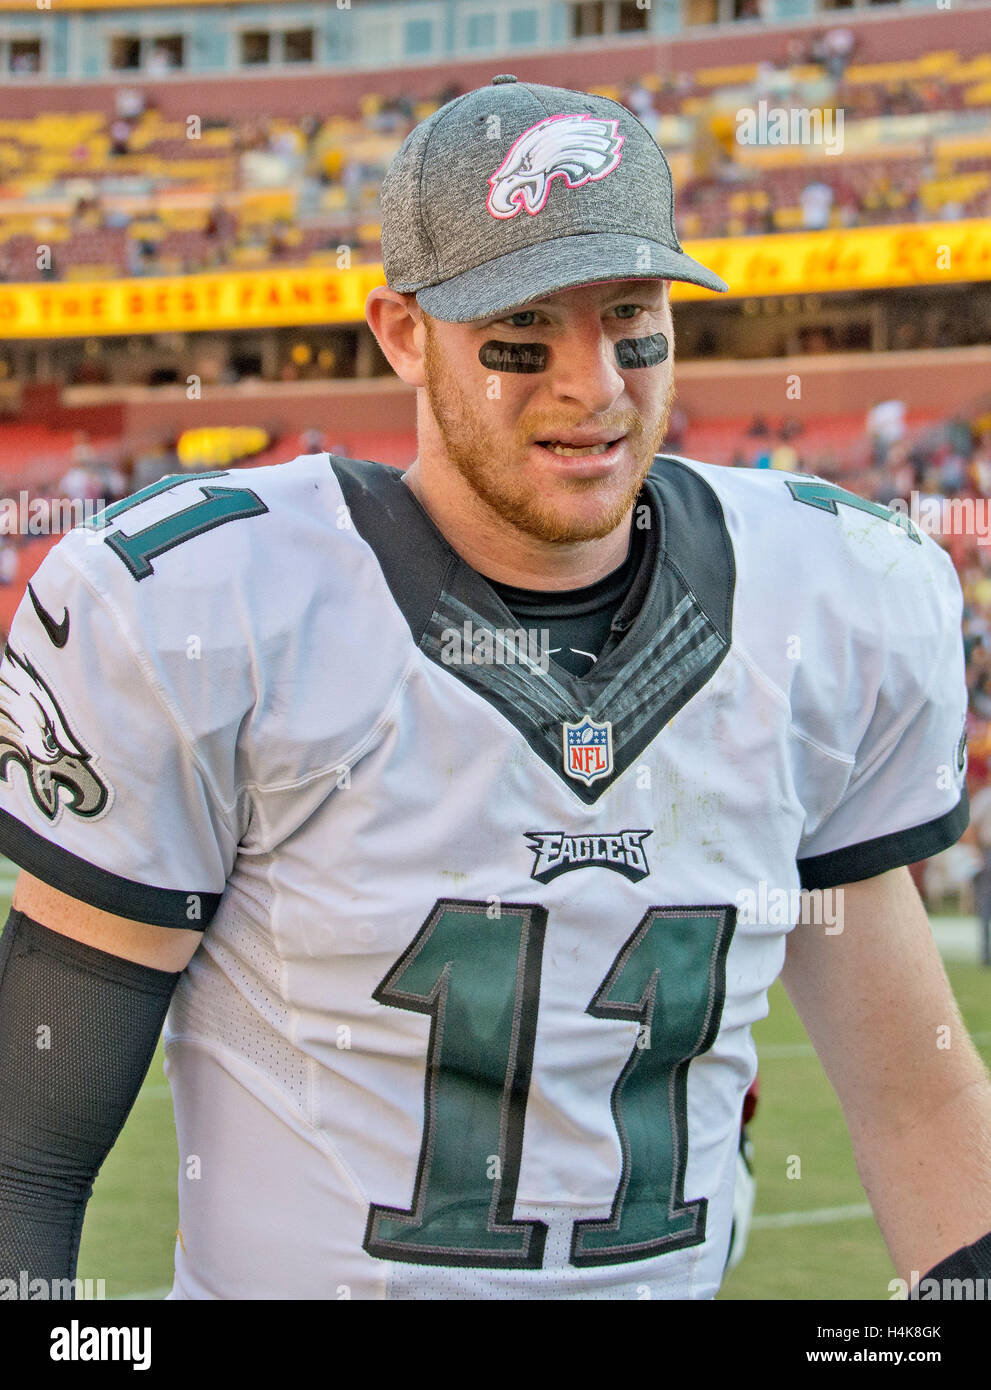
{"x":58,"y":632}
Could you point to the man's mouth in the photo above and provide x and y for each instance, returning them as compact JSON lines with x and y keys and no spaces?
{"x":568,"y":450}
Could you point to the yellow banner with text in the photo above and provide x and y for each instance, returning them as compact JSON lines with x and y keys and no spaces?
{"x":859,"y":258}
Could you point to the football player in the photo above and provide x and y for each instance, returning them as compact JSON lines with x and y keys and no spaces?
{"x":460,"y":818}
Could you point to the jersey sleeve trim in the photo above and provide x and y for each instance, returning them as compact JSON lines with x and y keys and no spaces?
{"x":140,"y":902}
{"x":871,"y":857}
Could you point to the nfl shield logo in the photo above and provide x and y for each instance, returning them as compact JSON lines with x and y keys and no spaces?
{"x":588,"y":750}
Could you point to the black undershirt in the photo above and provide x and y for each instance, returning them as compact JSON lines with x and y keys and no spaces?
{"x":578,"y":624}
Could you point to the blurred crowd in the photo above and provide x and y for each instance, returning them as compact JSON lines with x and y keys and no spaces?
{"x":946,"y":463}
{"x":270,"y":191}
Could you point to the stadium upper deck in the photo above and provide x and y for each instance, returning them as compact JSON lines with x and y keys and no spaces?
{"x":93,"y":40}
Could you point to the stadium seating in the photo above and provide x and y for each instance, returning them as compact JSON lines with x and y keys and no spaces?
{"x":142,"y":197}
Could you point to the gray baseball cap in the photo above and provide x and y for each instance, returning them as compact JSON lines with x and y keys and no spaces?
{"x":514,"y":191}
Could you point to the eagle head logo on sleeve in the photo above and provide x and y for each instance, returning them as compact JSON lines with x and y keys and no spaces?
{"x":573,"y":148}
{"x":34,"y":733}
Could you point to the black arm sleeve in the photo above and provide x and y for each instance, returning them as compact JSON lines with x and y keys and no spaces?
{"x":971,"y":1263}
{"x":78,"y":1030}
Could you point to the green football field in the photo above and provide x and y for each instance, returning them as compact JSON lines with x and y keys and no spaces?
{"x":813,"y":1235}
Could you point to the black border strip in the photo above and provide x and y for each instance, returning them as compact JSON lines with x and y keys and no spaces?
{"x":872,"y":857}
{"x":159,"y":907}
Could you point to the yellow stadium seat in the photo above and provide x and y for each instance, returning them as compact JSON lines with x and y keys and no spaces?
{"x":332,"y":162}
{"x":733,"y":75}
{"x":953,"y":148}
{"x":205,"y":172}
{"x":941,"y":61}
{"x":788,"y":219}
{"x":266,"y":215}
{"x":249,"y":255}
{"x":681,"y":166}
{"x":960,"y":188}
{"x":104,"y":271}
{"x":972,"y":70}
{"x":979,"y":95}
{"x":690,"y":224}
{"x":879,"y":72}
{"x":183,"y":219}
{"x":174,"y":131}
{"x":145,"y":231}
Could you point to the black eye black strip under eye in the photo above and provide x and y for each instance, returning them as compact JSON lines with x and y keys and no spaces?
{"x":532,"y":357}
{"x":513,"y":357}
{"x":642,"y":352}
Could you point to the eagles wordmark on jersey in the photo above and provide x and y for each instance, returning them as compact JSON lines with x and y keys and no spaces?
{"x":471,"y":1015}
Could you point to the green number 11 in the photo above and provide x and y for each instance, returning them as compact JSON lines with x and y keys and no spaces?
{"x":216,"y":506}
{"x":478,"y":980}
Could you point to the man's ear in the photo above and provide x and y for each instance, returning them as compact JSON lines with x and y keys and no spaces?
{"x":397,"y":322}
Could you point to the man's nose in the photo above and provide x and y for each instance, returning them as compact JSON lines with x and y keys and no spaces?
{"x":584,"y":370}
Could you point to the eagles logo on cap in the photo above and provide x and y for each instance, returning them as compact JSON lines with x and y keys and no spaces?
{"x":574,"y":148}
{"x":451,"y":198}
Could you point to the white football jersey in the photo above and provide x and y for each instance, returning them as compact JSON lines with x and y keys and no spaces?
{"x":483,"y":941}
